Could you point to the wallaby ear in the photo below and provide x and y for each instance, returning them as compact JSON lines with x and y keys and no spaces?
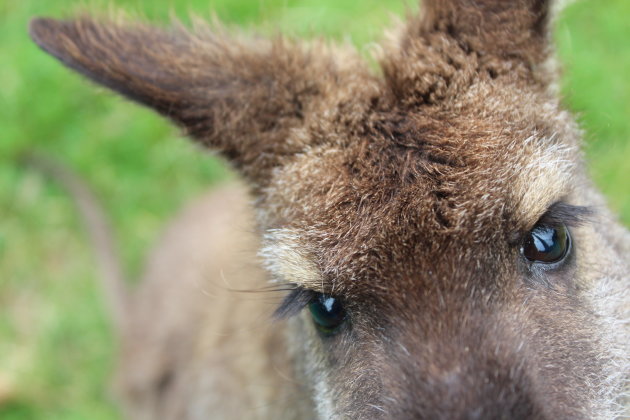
{"x":510,"y":29}
{"x":239,"y":97}
{"x":451,"y":42}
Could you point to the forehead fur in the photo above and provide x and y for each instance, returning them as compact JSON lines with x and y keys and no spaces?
{"x":398,"y":177}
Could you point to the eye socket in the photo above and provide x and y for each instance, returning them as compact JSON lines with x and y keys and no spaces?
{"x":328,"y":313}
{"x":547,"y":244}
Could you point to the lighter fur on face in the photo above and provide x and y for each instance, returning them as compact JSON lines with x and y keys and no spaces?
{"x":287,"y":260}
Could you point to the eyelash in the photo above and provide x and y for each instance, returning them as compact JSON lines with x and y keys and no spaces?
{"x":559,"y":213}
{"x":294,"y":302}
{"x":567,"y":214}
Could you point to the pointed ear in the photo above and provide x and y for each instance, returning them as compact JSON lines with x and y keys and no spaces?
{"x":450,"y":43}
{"x":242,"y":98}
{"x":510,"y":29}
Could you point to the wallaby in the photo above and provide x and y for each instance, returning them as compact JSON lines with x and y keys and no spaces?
{"x":437,"y":246}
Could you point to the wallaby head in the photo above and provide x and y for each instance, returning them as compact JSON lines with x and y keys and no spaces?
{"x":448,"y":256}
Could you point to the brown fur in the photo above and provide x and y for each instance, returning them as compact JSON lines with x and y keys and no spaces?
{"x":407,"y":196}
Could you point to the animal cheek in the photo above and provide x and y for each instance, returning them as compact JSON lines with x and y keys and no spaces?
{"x":305,"y":344}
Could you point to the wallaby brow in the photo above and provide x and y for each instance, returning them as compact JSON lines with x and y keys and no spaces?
{"x":288,"y":262}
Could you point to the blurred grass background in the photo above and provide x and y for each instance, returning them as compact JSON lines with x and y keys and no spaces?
{"x":55,"y":344}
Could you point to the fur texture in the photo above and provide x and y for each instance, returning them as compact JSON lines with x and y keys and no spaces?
{"x":405,"y":195}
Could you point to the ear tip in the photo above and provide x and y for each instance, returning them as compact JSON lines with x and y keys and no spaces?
{"x":41,"y":28}
{"x":53,"y":35}
{"x":38,"y":26}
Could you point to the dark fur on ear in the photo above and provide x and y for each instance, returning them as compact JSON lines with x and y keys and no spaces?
{"x":512,"y":29}
{"x":453,"y":42}
{"x":240,"y":97}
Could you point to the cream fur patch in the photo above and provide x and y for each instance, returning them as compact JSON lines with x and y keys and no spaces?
{"x":544,"y":178}
{"x":287,"y":260}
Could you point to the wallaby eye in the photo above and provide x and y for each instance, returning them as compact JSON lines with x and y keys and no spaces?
{"x":327,"y":312}
{"x":547,"y":244}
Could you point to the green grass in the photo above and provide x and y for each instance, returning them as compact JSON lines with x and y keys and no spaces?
{"x":55,"y":344}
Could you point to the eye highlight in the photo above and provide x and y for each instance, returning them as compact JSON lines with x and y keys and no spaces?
{"x":547,"y":244}
{"x":328,"y":313}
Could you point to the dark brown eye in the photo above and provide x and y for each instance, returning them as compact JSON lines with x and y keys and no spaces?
{"x":547,"y":244}
{"x":328,"y":313}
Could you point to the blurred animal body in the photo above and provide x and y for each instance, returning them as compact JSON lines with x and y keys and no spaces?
{"x":439,"y":250}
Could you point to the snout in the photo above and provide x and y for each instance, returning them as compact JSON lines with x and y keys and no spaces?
{"x":496,"y":373}
{"x":480,"y":389}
